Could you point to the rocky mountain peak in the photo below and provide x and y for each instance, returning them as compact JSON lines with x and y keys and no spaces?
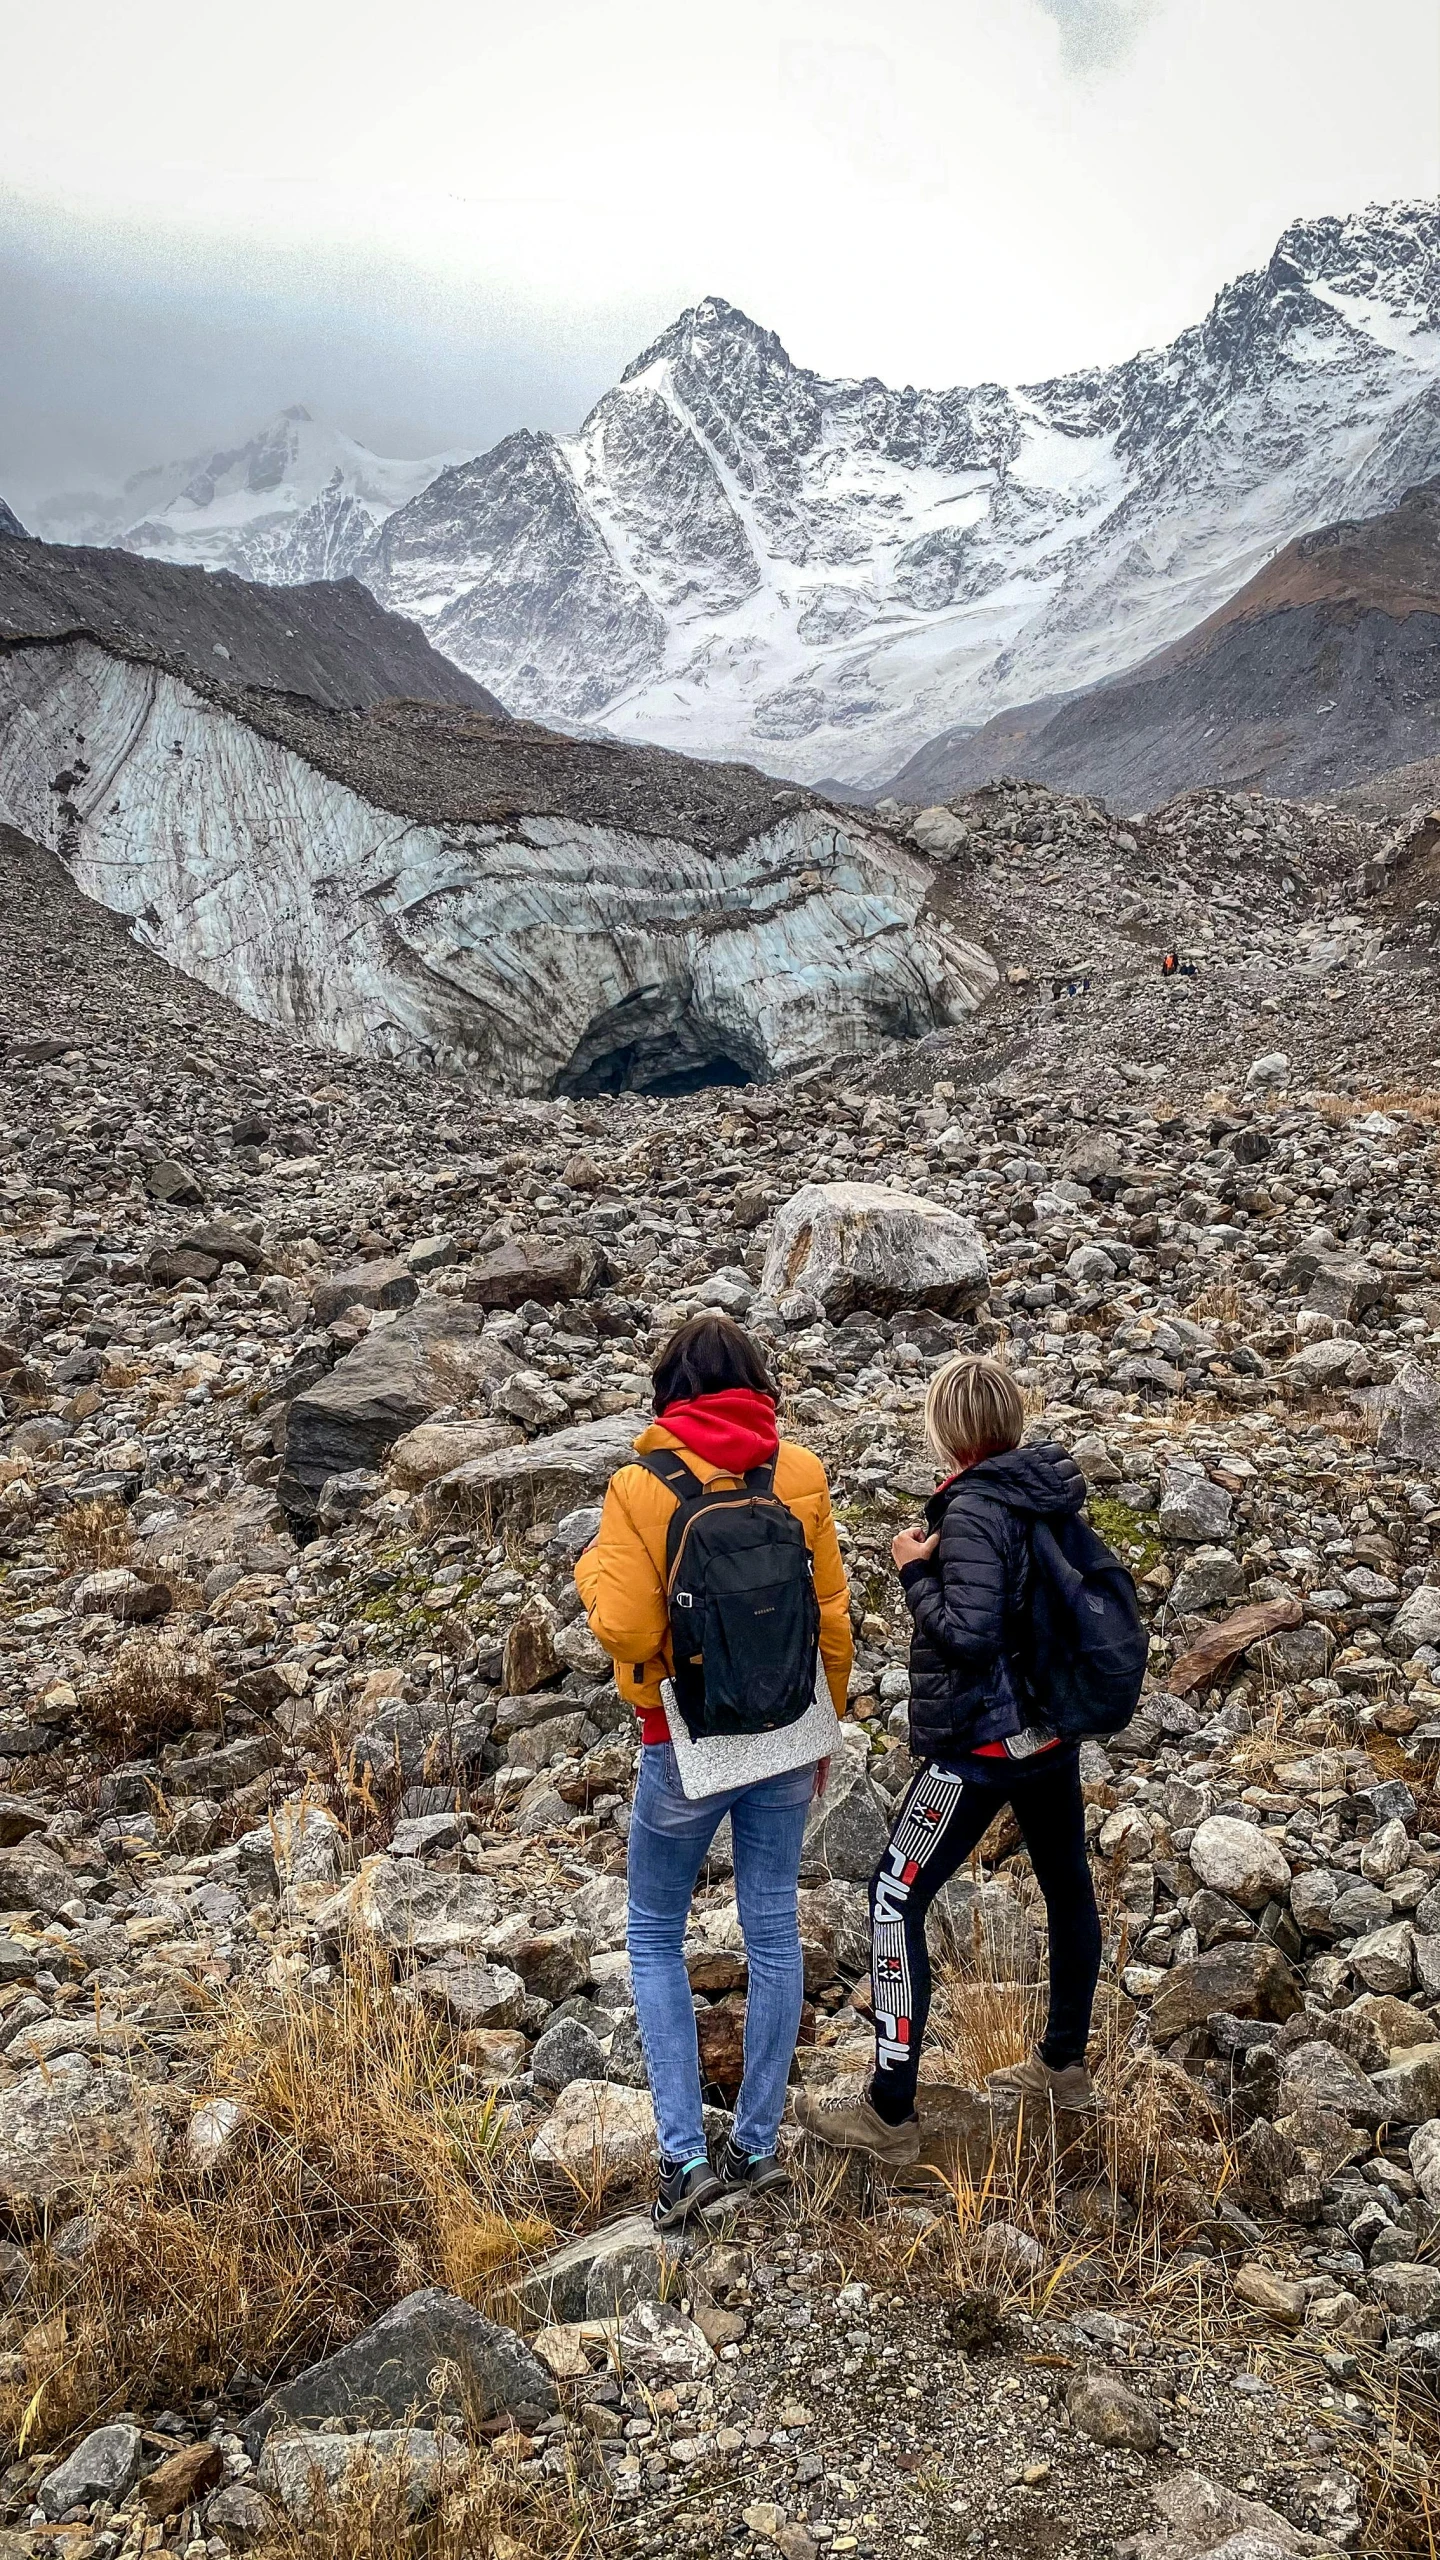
{"x":740,"y":556}
{"x":712,"y":337}
{"x":1388,"y":252}
{"x":10,"y":523}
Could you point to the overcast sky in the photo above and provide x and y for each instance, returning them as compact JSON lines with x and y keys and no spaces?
{"x":438,"y":222}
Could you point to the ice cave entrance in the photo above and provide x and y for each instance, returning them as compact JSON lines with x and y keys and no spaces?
{"x":656,"y":1040}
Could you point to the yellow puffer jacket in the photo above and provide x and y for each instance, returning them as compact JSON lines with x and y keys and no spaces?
{"x":621,"y":1575}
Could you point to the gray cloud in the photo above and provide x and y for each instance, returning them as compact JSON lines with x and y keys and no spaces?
{"x":1095,"y":33}
{"x":120,"y":358}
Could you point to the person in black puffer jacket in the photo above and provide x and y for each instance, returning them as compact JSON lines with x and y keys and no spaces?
{"x":982,"y":1743}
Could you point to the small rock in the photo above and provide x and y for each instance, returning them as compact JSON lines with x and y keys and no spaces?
{"x":657,"y":2338}
{"x":562,"y":2353}
{"x":119,"y":1593}
{"x":103,"y":2466}
{"x":597,"y":2128}
{"x":1425,"y":2162}
{"x":1264,"y":2291}
{"x":1104,"y":2407}
{"x":1240,"y":1859}
{"x":179,"y":2480}
{"x":307,"y":2471}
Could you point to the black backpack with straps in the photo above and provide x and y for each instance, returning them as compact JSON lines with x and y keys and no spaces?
{"x":744,"y":1618}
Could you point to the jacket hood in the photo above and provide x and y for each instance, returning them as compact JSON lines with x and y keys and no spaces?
{"x":1039,"y":1479}
{"x":734,"y":1428}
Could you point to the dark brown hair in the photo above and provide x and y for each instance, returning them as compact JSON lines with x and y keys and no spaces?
{"x":705,"y":1355}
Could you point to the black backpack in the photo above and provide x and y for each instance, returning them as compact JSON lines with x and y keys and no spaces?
{"x":744,"y":1619}
{"x":1083,"y":1647}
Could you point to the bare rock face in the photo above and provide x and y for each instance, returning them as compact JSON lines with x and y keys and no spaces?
{"x":852,"y":1244}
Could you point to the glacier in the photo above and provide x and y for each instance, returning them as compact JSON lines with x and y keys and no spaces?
{"x":435,"y":883}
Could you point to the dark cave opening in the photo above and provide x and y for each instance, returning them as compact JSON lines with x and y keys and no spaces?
{"x":656,"y":1040}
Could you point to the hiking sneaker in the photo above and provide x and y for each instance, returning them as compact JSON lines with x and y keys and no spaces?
{"x":846,"y":2119}
{"x":686,"y":2187}
{"x":751,"y":2173}
{"x":1070,"y":2092}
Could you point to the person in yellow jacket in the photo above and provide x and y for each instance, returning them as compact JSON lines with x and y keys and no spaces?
{"x":715,"y":1407}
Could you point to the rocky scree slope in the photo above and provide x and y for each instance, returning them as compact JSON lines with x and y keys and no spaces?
{"x":223,"y":1253}
{"x":327,"y":641}
{"x":433,"y":882}
{"x":740,"y":556}
{"x":1324,"y":670}
{"x":1295,"y":924}
{"x":297,"y":500}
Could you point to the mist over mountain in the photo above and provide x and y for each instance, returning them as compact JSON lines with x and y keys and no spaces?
{"x":296,"y":500}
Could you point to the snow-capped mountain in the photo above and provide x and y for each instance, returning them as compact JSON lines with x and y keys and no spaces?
{"x":299,"y":500}
{"x":739,"y":557}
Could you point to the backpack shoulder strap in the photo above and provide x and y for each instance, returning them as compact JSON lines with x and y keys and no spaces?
{"x":670,"y":1469}
{"x":761,"y":1479}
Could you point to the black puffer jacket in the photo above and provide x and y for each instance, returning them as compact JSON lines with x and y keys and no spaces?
{"x":968,"y":1599}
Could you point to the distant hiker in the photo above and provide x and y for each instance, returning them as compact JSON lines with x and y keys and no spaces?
{"x":1169,"y":964}
{"x":722,"y":1531}
{"x":992,"y":1647}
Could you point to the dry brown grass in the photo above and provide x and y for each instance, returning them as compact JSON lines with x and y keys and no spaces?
{"x":486,"y":2511}
{"x":1354,"y":1425}
{"x":158,"y":1687}
{"x":1222,"y":1302}
{"x":364,"y":2167}
{"x":92,"y":1536}
{"x":982,"y":2023}
{"x":1414,"y":1102}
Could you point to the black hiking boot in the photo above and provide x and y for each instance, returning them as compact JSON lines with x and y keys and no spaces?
{"x":749,"y":2173}
{"x":686,"y":2187}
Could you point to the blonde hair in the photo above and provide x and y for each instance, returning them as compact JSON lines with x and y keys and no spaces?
{"x":974,"y":1408}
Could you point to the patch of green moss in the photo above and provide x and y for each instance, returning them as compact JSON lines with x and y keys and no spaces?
{"x":1131,"y":1533}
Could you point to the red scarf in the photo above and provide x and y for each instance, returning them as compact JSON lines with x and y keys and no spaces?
{"x":734,"y":1428}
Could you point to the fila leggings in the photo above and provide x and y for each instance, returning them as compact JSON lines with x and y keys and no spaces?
{"x":942,"y":1818}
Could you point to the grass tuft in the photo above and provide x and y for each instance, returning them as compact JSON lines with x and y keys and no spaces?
{"x":362,"y":2167}
{"x":92,"y":1536}
{"x":158,"y":1687}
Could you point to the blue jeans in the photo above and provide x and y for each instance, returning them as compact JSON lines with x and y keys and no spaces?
{"x":669,"y":1837}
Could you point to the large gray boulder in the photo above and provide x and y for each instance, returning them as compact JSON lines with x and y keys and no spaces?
{"x":103,"y":2466}
{"x":551,"y":1475}
{"x":1416,"y":1621}
{"x":1245,"y":1980}
{"x":431,"y":2356}
{"x":1410,"y":1416}
{"x":601,"y":2273}
{"x":849,"y":1824}
{"x":398,"y":1375}
{"x":367,"y":1284}
{"x":1240,"y":1859}
{"x":64,"y":2123}
{"x":853,"y":1244}
{"x":546,"y":1269}
{"x":309,"y":2471}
